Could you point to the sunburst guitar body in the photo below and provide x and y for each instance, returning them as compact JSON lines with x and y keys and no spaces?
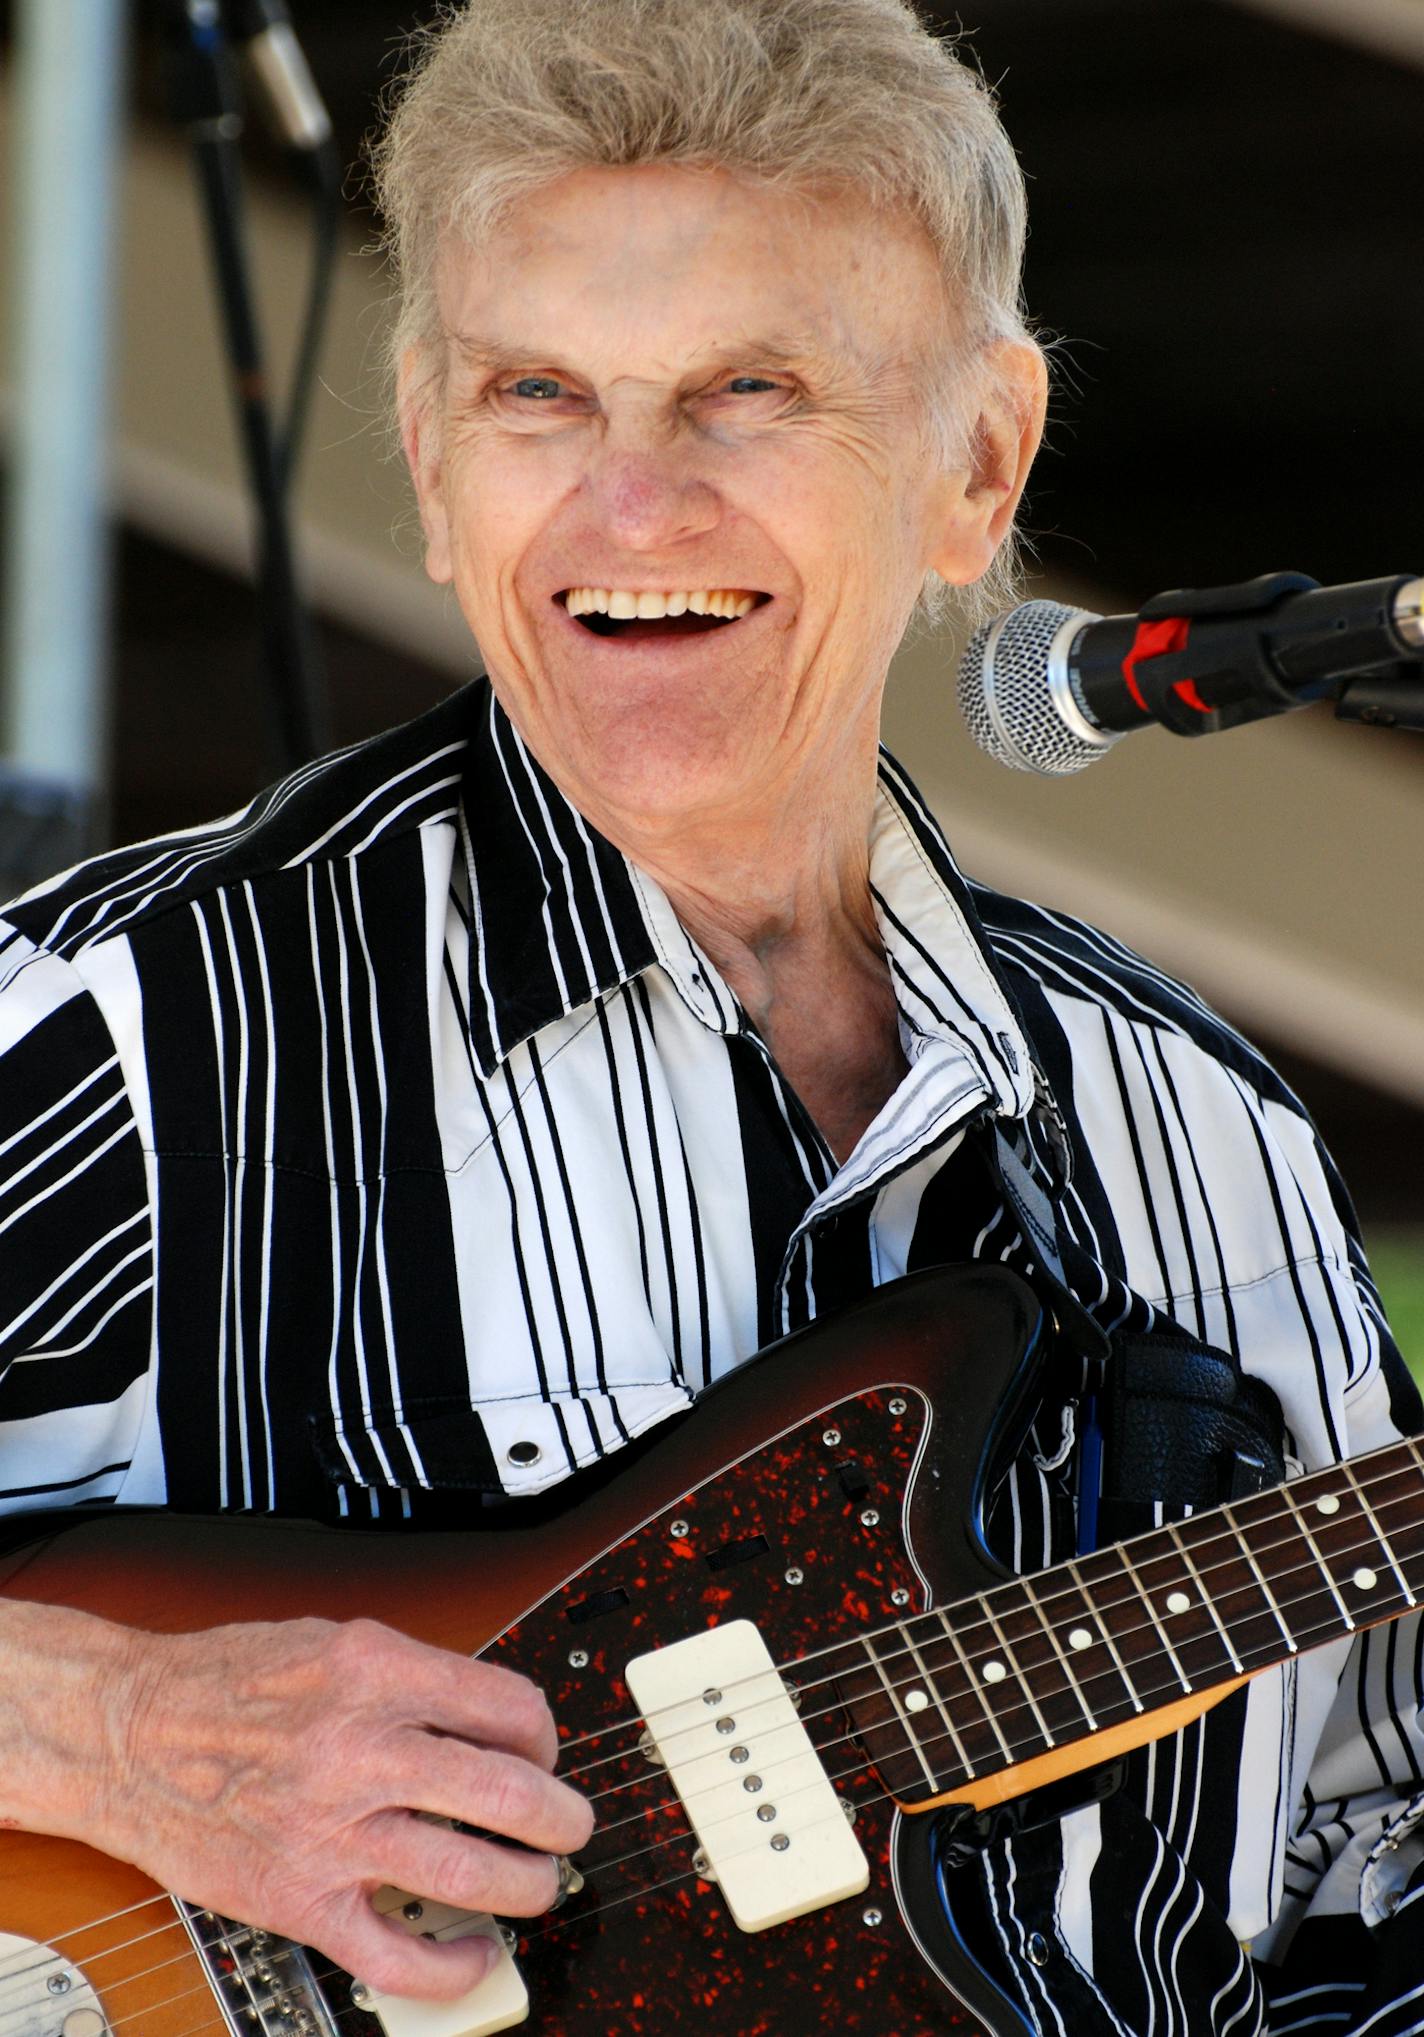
{"x":777,"y":1650}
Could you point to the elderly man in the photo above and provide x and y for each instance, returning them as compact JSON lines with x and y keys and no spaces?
{"x":416,"y":1140}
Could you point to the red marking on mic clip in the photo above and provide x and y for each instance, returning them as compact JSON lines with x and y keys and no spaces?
{"x":1153,"y":640}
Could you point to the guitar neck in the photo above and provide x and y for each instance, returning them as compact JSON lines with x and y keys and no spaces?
{"x":1042,"y":1663}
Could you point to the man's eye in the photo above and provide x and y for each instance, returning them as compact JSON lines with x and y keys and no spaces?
{"x":739,"y":384}
{"x":538,"y":388}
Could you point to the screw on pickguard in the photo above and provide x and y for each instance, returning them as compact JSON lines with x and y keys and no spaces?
{"x":68,"y":2005}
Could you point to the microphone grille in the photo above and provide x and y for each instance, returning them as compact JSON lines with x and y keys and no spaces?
{"x":1012,"y":707}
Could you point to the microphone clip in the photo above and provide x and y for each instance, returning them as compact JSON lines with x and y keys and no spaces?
{"x":1210,"y":679}
{"x":1388,"y":698}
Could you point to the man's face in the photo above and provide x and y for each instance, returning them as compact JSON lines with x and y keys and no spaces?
{"x":663,"y":380}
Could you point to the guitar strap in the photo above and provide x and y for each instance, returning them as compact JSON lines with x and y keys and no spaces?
{"x":1165,"y":1420}
{"x":1164,"y":1423}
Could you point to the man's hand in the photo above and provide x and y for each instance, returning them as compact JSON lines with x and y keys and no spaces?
{"x":273,"y":1773}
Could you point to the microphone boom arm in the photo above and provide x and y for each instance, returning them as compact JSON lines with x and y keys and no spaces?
{"x":1390,"y":698}
{"x":1248,"y":652}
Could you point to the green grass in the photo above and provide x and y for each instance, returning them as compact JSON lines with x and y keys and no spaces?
{"x":1397,"y":1261}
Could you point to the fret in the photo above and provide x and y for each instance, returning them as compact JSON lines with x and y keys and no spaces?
{"x":1331,"y":1585}
{"x":1276,"y":1614}
{"x":1181,"y":1608}
{"x":1071,"y":1618}
{"x":1390,"y":1558}
{"x":1162,"y":1634}
{"x":1069,"y":1678}
{"x":961,"y":1752}
{"x":1231,"y":1573}
{"x":1206,"y":1597}
{"x":893,"y":1693}
{"x":1364,"y":1567}
{"x":980,"y":1744}
{"x":973,"y":1682}
{"x":1130,"y":1621}
{"x":1041,"y":1660}
{"x":1106,"y":1631}
{"x":1413,"y":1448}
{"x":1024,"y":1685}
{"x":1406,"y":1513}
{"x":892,"y":1750}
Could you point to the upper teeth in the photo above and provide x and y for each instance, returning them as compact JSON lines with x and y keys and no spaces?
{"x":622,"y":606}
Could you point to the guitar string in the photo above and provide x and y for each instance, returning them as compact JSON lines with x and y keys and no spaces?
{"x":1230,"y":1536}
{"x":1006,"y":1716}
{"x":1014,"y":1746}
{"x":93,"y":1924}
{"x":671,"y":1803}
{"x":595,"y":1866}
{"x":1163,"y":1691}
{"x":536,"y":1932}
{"x":447,"y":1932}
{"x":1372,"y":1541}
{"x":924,"y":1628}
{"x":1005,"y":1719}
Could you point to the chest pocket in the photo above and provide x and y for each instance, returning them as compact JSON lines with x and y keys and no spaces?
{"x":513,"y":1447}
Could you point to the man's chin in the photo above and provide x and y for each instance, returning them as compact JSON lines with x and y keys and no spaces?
{"x":649,"y":770}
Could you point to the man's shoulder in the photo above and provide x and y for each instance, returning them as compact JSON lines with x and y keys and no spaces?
{"x":338,"y":807}
{"x":1054,"y":960}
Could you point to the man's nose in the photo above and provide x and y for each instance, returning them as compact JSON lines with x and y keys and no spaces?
{"x":649,"y":497}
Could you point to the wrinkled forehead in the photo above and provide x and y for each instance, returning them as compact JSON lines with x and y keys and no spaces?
{"x":657,"y":269}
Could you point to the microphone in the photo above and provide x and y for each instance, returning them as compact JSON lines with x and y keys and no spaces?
{"x":1050,"y":688}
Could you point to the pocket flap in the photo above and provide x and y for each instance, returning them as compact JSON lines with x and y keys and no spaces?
{"x":517,"y":1446}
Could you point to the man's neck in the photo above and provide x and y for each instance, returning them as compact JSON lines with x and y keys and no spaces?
{"x":796,"y":939}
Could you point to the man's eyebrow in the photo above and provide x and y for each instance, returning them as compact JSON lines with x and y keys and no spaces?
{"x":773,"y":350}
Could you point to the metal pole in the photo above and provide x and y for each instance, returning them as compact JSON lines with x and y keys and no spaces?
{"x":68,"y":71}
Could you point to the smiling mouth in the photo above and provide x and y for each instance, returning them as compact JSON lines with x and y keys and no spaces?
{"x":687,"y":620}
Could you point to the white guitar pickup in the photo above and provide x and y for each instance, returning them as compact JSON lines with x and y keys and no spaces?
{"x":771,"y":1827}
{"x":499,"y":2002}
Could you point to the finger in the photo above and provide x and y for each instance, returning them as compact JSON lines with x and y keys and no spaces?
{"x":482,"y":1786}
{"x":480,"y":1701}
{"x":397,"y":1962}
{"x":452,"y":1867}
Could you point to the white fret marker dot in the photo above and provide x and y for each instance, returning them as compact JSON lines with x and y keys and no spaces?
{"x":1178,"y":1602}
{"x":1365,"y":1579}
{"x":1327,"y":1504}
{"x":915,"y":1700}
{"x":1080,"y":1638}
{"x":994,"y":1672}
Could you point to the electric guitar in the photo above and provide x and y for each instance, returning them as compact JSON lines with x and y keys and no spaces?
{"x":776,"y":1648}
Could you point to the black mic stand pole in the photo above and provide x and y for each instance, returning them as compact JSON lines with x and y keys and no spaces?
{"x":204,"y":98}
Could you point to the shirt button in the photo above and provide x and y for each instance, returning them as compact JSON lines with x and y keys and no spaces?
{"x":1037,"y":1949}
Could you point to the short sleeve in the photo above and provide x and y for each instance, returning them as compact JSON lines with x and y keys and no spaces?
{"x":76,"y":1242}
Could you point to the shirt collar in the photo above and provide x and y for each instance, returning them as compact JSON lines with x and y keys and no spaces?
{"x":571,"y":919}
{"x":558,"y":920}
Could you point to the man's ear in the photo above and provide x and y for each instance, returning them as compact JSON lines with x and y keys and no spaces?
{"x":1002,"y":444}
{"x":415,"y":395}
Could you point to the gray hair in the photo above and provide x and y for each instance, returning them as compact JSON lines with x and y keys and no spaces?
{"x":503,"y":97}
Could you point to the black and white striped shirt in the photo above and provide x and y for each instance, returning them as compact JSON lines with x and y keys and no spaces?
{"x":392,"y":1141}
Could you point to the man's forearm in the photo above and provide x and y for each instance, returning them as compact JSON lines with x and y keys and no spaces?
{"x":64,"y":1679}
{"x":275,"y":1772}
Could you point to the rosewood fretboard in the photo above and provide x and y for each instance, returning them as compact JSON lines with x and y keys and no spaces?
{"x":1043,"y":1662}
